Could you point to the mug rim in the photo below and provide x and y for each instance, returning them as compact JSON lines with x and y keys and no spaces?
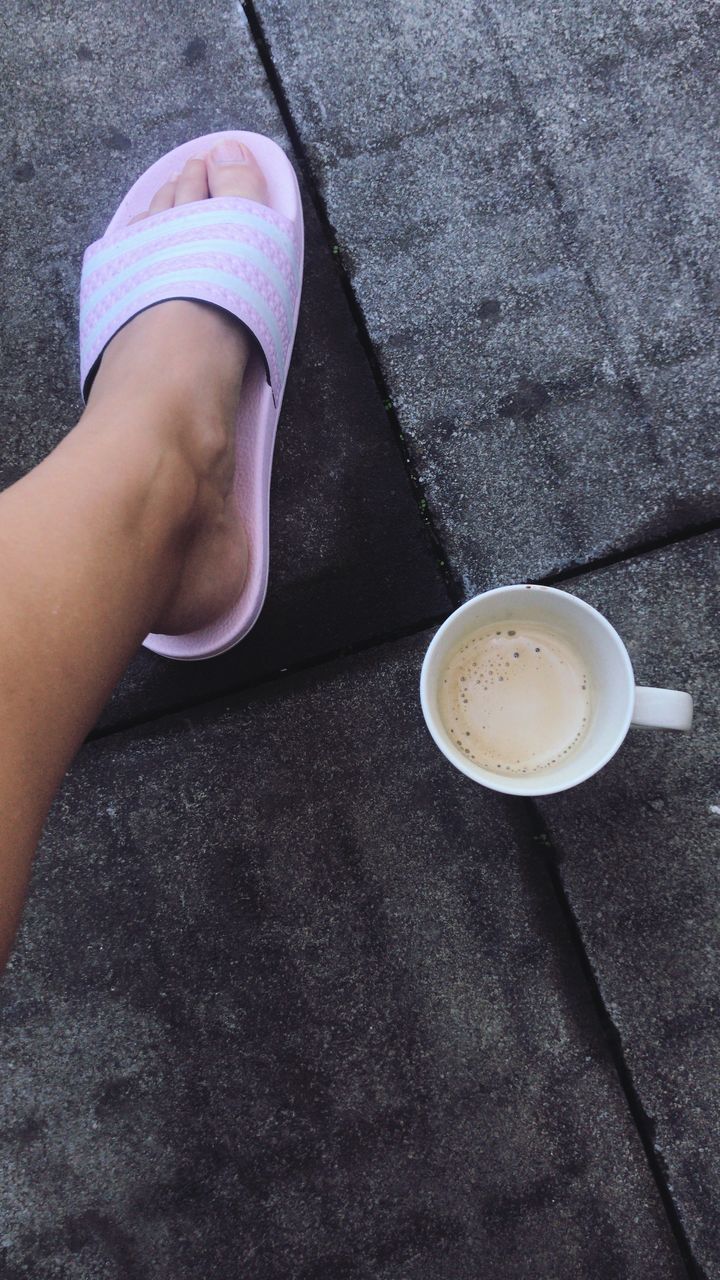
{"x":496,"y":782}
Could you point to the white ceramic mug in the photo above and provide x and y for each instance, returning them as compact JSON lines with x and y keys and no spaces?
{"x":617,"y":702}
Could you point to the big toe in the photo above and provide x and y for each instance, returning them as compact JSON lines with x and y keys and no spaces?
{"x":233,"y":171}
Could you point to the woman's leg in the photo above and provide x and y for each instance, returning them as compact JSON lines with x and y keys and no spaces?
{"x":127,"y":527}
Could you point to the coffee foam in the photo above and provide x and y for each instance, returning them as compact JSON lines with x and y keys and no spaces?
{"x":515,"y":698}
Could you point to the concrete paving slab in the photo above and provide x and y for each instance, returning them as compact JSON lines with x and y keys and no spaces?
{"x":530,"y":242}
{"x":624,"y":106}
{"x":639,"y":846}
{"x":293,"y":999}
{"x":350,"y":559}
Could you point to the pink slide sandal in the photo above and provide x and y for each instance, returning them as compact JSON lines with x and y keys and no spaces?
{"x":244,"y":257}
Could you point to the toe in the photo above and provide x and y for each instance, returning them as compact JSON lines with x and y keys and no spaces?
{"x":229,"y":170}
{"x":163,"y":199}
{"x":192,"y":183}
{"x":233,"y":171}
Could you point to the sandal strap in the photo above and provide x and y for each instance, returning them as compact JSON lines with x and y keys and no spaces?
{"x":238,"y":254}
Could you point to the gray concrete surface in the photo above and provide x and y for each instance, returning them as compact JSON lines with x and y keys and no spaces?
{"x":349,"y":558}
{"x":293,"y":999}
{"x":523,"y":196}
{"x":639,"y":850}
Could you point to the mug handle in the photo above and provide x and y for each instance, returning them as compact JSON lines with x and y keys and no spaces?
{"x":662,"y":709}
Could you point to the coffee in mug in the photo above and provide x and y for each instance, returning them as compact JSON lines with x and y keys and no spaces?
{"x":515,"y":699}
{"x":529,"y":690}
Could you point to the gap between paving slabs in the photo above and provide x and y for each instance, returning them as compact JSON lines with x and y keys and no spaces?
{"x":639,"y":866}
{"x":548,"y":852}
{"x":356,"y":310}
{"x":118,"y":723}
{"x":221,"y":696}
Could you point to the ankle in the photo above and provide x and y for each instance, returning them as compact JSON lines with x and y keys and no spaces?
{"x":158,"y":475}
{"x":177,"y":369}
{"x":189,"y":352}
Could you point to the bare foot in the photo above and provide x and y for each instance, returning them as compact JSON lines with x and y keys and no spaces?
{"x":181,"y":365}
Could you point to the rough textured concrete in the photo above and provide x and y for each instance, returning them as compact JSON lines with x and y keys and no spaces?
{"x":639,"y":847}
{"x":624,"y":106}
{"x":523,"y":195}
{"x":350,"y":559}
{"x":292,"y":1000}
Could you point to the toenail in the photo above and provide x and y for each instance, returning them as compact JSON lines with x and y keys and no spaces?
{"x":230,"y":153}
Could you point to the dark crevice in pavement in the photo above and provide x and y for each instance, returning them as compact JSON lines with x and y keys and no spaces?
{"x":258,"y":34}
{"x":551,"y":855}
{"x":582,"y":569}
{"x":122,"y":725}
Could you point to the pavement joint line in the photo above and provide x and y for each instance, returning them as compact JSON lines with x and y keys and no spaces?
{"x":376,"y":642}
{"x":635,"y":552}
{"x":356,"y":311}
{"x":551,"y":856}
{"x":228,"y":695}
